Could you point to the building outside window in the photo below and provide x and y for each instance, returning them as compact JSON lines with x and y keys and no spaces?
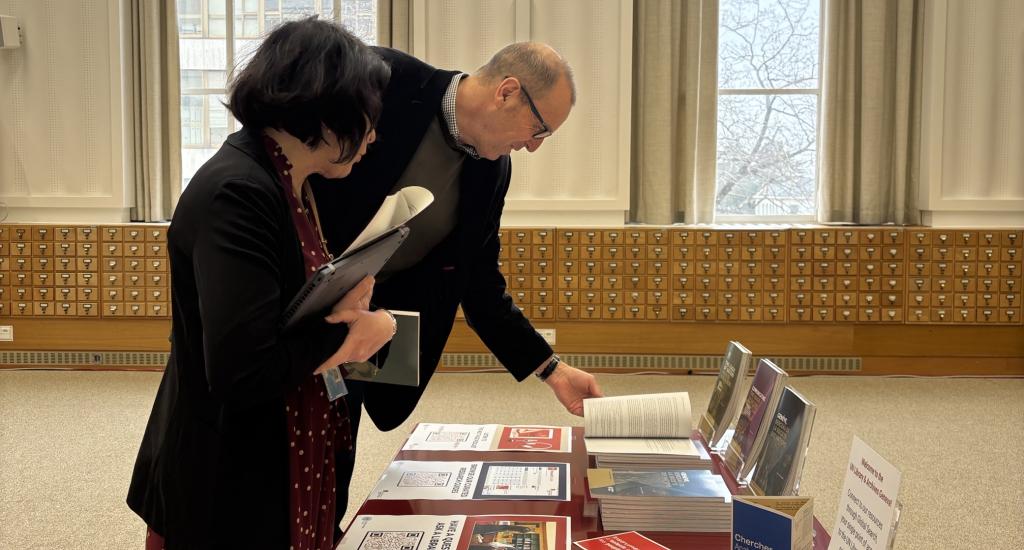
{"x":210,"y":48}
{"x":769,"y":61}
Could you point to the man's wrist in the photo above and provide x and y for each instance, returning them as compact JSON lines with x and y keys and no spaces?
{"x":548,"y":368}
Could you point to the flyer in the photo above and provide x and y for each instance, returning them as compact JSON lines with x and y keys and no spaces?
{"x":425,"y":480}
{"x":489,"y":437}
{"x":521,"y":532}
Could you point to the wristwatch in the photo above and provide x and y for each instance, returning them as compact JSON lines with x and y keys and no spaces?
{"x":549,"y":368}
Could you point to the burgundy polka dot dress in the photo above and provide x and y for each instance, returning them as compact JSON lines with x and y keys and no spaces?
{"x":316,"y":426}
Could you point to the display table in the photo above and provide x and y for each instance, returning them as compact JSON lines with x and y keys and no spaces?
{"x":582,"y":510}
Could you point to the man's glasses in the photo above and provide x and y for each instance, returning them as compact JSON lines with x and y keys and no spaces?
{"x":544,"y":130}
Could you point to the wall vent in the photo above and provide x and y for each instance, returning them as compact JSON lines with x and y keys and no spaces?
{"x":83,"y":358}
{"x":684,"y":363}
{"x":657,"y":363}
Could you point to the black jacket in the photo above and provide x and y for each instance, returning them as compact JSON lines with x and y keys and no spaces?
{"x":212,"y":468}
{"x":463,"y":269}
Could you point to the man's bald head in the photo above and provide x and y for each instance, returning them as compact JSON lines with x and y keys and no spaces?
{"x":537,"y":65}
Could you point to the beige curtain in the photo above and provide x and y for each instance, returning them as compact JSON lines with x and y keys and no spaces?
{"x":871,"y":111}
{"x":154,"y":99}
{"x":675,"y":75}
{"x":394,"y":24}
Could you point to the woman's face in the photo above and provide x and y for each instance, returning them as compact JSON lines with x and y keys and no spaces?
{"x":326,"y":155}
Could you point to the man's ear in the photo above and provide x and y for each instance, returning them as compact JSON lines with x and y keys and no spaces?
{"x":506,"y":88}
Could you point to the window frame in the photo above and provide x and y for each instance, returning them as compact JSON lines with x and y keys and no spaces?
{"x":209,"y":93}
{"x":816,"y":91}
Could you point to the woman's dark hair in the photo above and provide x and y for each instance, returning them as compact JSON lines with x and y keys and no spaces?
{"x":308,"y":75}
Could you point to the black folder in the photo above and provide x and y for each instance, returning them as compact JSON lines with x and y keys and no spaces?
{"x":332,"y":280}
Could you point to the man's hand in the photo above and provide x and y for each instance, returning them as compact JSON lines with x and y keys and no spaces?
{"x":572,"y":386}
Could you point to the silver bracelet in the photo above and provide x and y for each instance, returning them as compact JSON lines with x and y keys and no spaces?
{"x":394,"y":322}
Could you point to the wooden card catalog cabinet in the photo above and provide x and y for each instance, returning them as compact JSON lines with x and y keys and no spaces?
{"x":863,"y":275}
{"x":72,"y":271}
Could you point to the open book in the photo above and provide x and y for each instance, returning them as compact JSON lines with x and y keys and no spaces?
{"x":642,"y":431}
{"x":396,"y":210}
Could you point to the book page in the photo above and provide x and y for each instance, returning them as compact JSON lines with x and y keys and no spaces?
{"x":663,"y":446}
{"x":396,"y":210}
{"x":650,"y":415}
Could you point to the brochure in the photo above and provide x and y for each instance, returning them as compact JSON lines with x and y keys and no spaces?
{"x":725,"y":398}
{"x":779,"y":523}
{"x":412,"y":480}
{"x":485,"y":532}
{"x":621,"y":541}
{"x":489,"y":437}
{"x":752,"y":426}
{"x":781,"y":461}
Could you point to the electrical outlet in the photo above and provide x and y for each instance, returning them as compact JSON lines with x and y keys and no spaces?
{"x":548,"y":334}
{"x":6,"y":333}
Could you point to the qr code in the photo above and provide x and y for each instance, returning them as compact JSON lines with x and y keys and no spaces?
{"x":445,"y":437}
{"x":391,"y":540}
{"x":424,"y":479}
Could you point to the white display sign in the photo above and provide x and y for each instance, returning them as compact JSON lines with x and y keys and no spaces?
{"x":868,"y":509}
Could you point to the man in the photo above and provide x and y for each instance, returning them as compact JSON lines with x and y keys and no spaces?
{"x":452,"y":133}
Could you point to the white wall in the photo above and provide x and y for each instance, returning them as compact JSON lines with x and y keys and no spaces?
{"x":580,"y":175}
{"x":973,"y":113}
{"x":61,"y":137}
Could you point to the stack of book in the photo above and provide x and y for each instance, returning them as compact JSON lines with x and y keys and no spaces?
{"x":661,"y":500}
{"x":642,"y":454}
{"x":643,"y":431}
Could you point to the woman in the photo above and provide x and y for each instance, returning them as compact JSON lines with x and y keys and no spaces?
{"x":239,"y":448}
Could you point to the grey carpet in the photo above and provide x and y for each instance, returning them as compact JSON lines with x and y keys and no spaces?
{"x":68,"y":441}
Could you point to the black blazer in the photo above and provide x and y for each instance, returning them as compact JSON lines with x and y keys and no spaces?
{"x":212,"y":468}
{"x":463,"y":269}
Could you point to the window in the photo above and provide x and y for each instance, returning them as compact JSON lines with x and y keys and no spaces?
{"x":210,"y":49}
{"x":768,"y":96}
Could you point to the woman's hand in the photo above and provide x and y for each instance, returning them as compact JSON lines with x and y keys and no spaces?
{"x":368,"y":331}
{"x":357,"y":298}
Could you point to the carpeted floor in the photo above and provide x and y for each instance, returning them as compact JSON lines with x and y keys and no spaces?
{"x":68,"y":441}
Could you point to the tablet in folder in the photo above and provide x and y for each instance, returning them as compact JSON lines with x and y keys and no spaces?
{"x":333,"y":279}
